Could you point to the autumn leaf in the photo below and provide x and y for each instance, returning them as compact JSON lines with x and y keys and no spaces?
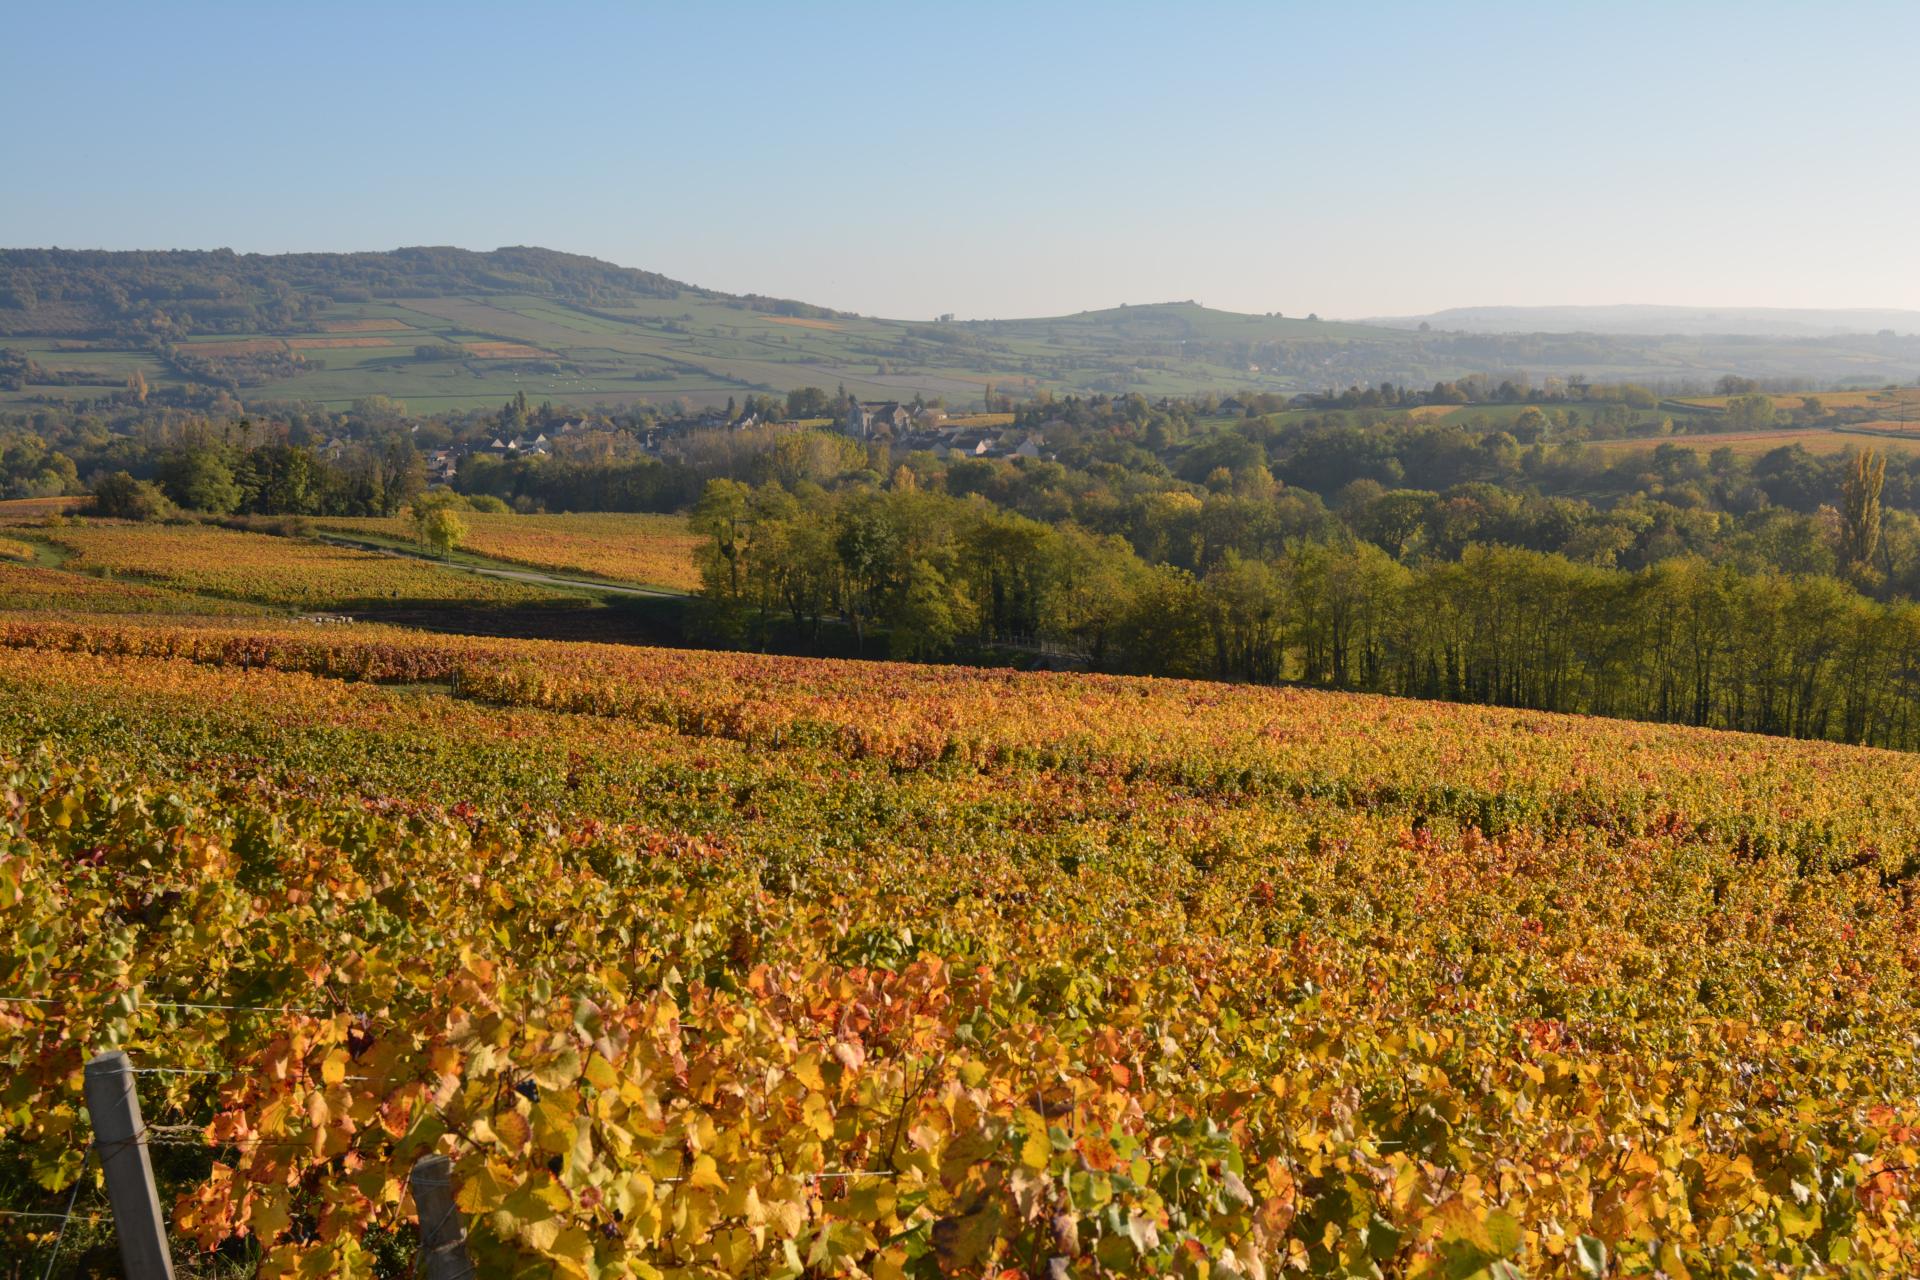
{"x":961,"y":1243}
{"x":270,"y":1215}
{"x":705,"y":1175}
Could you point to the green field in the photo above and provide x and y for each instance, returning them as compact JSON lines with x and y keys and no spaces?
{"x":1816,"y":440}
{"x":690,"y":347}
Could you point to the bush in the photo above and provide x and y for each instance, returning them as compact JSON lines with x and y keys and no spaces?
{"x":121,"y":497}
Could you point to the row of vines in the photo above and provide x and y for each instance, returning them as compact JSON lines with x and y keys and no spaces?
{"x":703,"y":965}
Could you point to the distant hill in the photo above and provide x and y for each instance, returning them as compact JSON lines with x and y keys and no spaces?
{"x":1783,"y":322}
{"x":182,"y":291}
{"x":1189,"y":322}
{"x":444,"y":328}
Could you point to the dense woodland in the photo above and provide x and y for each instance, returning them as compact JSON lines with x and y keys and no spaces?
{"x":1402,"y":592}
{"x":1504,"y":560}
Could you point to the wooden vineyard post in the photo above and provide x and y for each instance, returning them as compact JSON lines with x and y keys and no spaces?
{"x":443,"y":1232}
{"x":120,"y":1140}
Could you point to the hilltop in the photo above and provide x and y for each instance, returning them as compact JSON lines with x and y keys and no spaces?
{"x":447,"y":328}
{"x":184,"y":292}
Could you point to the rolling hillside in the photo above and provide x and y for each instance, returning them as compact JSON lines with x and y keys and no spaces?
{"x":442,"y":328}
{"x":698,"y":964}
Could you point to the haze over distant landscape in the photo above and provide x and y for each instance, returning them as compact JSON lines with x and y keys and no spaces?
{"x":448,"y":329}
{"x":1389,"y":159}
{"x":1769,"y":321}
{"x":1062,"y":202}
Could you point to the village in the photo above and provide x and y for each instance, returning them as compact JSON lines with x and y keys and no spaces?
{"x":905,"y":428}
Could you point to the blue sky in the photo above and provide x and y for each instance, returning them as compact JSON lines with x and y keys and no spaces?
{"x":1006,"y":159}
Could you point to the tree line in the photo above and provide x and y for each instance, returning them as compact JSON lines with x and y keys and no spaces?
{"x":227,"y":474}
{"x":915,"y":573}
{"x":1171,"y":537}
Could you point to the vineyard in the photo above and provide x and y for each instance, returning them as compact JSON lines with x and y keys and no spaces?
{"x":25,"y":587}
{"x":288,"y":572}
{"x":26,"y":510}
{"x":654,"y":550}
{"x":717,"y":964}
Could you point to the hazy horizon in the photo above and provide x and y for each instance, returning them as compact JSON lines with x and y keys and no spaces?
{"x":1383,"y":319}
{"x":1387,"y":161}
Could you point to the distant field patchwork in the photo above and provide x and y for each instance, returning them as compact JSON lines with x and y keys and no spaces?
{"x":489,"y":347}
{"x":333,"y":344}
{"x":1754,"y":443}
{"x":457,"y":351}
{"x":1896,"y":404}
{"x":367,"y":324}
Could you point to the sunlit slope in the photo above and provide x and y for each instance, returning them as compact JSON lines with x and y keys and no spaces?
{"x":625,"y":547}
{"x":259,"y":568}
{"x":702,"y":963}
